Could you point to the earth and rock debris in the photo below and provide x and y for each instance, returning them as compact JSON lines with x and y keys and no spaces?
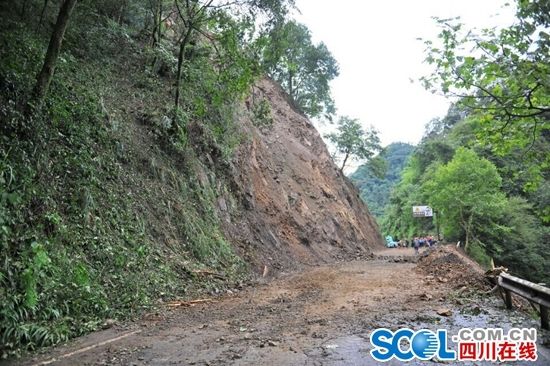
{"x":295,"y":206}
{"x":319,"y":316}
{"x":449,"y":264}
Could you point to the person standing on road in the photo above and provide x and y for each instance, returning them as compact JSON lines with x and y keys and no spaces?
{"x":416,"y":245}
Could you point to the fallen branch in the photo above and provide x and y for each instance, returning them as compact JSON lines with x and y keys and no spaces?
{"x":206,"y":272}
{"x":85,"y":349}
{"x":175,"y":304}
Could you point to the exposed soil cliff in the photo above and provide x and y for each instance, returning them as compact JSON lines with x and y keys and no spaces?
{"x":298,"y":208}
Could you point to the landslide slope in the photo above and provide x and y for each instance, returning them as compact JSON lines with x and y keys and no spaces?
{"x":105,"y":210}
{"x":297,"y":206}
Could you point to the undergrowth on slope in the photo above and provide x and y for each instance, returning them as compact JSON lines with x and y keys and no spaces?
{"x":78,"y":239}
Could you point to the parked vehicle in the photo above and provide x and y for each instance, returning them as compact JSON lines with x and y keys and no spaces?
{"x":390,"y":243}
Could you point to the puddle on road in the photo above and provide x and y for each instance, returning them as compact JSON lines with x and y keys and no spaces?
{"x":348,"y":351}
{"x":354,"y":349}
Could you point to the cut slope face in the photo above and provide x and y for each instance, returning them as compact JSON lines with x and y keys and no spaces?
{"x":298,"y":208}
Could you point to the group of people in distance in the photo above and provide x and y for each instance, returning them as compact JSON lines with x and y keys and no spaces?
{"x":417,"y":242}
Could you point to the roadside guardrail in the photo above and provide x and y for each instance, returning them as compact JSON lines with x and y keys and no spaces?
{"x":531,"y":291}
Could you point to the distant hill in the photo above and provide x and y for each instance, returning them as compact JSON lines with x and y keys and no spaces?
{"x":376,"y":191}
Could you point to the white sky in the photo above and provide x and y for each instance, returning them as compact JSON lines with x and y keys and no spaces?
{"x":376,"y":46}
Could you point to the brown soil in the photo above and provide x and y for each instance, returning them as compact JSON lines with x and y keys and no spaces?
{"x":281,"y":322}
{"x":297,"y":208}
{"x":321,"y":316}
{"x":449,"y":264}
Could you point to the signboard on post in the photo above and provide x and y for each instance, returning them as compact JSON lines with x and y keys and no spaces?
{"x":422,"y":211}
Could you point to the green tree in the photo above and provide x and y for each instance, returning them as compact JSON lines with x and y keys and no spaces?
{"x":500,"y":76}
{"x":513,"y":232}
{"x":516,"y":241}
{"x":157,"y":9}
{"x":303,"y":69}
{"x":200,"y":18}
{"x":398,"y":218}
{"x":465,"y":191}
{"x":353,"y":142}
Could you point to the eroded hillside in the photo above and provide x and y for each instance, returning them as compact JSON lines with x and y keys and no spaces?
{"x":296,"y":205}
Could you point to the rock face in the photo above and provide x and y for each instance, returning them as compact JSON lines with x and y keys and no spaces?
{"x":297,"y":206}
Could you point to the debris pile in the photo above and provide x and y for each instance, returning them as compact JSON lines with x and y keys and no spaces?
{"x":447,"y":264}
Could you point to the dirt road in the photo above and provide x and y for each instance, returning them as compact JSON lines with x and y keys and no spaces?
{"x":322,"y":316}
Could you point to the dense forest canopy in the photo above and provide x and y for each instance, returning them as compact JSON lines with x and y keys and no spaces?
{"x":500,"y":78}
{"x":477,"y":199}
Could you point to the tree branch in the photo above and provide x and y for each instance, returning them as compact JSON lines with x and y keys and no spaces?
{"x":533,"y":140}
{"x":505,"y":107}
{"x":182,"y":17}
{"x":211,"y":39}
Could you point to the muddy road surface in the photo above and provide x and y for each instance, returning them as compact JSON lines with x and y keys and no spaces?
{"x":321,"y":316}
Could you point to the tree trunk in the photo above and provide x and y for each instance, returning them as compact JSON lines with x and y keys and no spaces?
{"x":45,"y":76}
{"x":344,"y":163}
{"x":155,"y":34}
{"x":155,"y":25}
{"x":181,"y":55}
{"x":23,"y":10}
{"x":42,"y":13}
{"x":437,"y":223}
{"x":467,"y":226}
{"x":159,"y":22}
{"x":122,"y":11}
{"x":290,"y":86}
{"x":469,"y":232}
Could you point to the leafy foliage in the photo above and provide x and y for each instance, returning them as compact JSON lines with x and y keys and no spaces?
{"x":375,"y":190}
{"x":302,"y":68}
{"x":500,"y":76}
{"x":463,"y":192}
{"x":499,"y":125}
{"x":76,"y":245}
{"x":232,"y":22}
{"x":397,"y":219}
{"x":90,"y":227}
{"x":353,"y":142}
{"x":479,"y":197}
